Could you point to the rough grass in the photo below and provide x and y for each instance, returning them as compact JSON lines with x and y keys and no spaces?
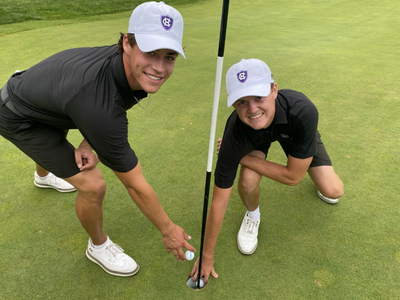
{"x":21,"y":15}
{"x":16,"y":11}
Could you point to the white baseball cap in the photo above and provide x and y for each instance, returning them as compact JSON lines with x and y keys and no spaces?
{"x":249,"y":77}
{"x":157,"y":26}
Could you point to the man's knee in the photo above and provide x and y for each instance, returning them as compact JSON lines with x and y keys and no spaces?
{"x":335,"y":191}
{"x":89,"y":183}
{"x":95,"y":189}
{"x":248,"y":181}
{"x":327,"y":181}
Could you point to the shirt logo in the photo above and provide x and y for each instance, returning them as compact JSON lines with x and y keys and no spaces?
{"x":285,"y":136}
{"x":167,"y":22}
{"x":242,"y":76}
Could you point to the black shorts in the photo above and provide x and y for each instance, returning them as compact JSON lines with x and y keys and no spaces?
{"x":44,"y":144}
{"x":320,"y":159}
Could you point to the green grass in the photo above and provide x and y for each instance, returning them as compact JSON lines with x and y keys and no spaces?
{"x":15,"y":11}
{"x":342,"y":54}
{"x":19,"y":14}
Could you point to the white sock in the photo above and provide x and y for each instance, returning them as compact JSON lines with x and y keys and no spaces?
{"x":99,"y":246}
{"x":254,"y":214}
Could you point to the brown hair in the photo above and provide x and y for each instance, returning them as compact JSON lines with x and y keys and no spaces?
{"x":131,"y":40}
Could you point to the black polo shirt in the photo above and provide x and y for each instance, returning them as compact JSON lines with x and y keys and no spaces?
{"x":294,"y":126}
{"x":85,"y":89}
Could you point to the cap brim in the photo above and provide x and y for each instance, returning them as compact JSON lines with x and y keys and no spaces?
{"x":149,"y":42}
{"x":261,"y":90}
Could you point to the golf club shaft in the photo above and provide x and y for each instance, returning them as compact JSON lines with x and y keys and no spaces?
{"x":220,"y":60}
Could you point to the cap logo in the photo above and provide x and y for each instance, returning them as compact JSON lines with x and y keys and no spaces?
{"x":242,"y":76}
{"x":167,"y":22}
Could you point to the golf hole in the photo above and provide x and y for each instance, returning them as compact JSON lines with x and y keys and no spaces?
{"x":194,"y":284}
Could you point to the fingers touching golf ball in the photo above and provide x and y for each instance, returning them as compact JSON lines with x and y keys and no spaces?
{"x":189,"y":255}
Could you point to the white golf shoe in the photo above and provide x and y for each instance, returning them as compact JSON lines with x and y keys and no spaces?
{"x":326,"y":199}
{"x":112,"y":259}
{"x":247,"y":237}
{"x":51,"y":181}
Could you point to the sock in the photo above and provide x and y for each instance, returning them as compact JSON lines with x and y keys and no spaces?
{"x":254,"y":214}
{"x":43,"y":178}
{"x":99,"y":246}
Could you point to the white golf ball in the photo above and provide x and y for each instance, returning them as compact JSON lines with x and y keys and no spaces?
{"x":194,"y":284}
{"x":189,"y":255}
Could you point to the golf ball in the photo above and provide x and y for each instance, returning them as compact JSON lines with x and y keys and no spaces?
{"x":189,"y":255}
{"x":194,"y":284}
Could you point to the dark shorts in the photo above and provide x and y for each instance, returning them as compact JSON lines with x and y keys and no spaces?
{"x":320,"y":159}
{"x":44,"y":144}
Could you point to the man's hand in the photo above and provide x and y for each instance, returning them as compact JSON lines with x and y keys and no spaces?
{"x":84,"y":157}
{"x":175,"y":239}
{"x":219,"y":141}
{"x":207,"y":268}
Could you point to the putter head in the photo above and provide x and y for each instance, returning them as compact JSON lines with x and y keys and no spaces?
{"x":194,"y":284}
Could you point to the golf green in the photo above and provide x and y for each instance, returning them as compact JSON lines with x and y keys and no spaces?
{"x":344,"y":55}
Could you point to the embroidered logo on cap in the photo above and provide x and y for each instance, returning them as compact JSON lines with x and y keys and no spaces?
{"x":167,"y":22}
{"x":242,"y":76}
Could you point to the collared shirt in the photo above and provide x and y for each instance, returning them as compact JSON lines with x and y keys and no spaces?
{"x":294,"y":127}
{"x":85,"y":89}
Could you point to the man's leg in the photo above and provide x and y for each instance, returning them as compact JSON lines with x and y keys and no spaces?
{"x":89,"y":208}
{"x":327,"y":182}
{"x":249,"y":185}
{"x":249,"y":191}
{"x":41,"y":172}
{"x":89,"y":202}
{"x":45,"y":179}
{"x":48,"y":147}
{"x":329,"y":185}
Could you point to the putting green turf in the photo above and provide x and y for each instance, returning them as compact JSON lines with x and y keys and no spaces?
{"x":344,"y":55}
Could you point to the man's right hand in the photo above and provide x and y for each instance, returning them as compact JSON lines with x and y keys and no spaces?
{"x":175,"y":239}
{"x":207,"y":268}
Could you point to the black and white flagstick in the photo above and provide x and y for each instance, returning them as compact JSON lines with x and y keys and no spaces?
{"x":220,"y":60}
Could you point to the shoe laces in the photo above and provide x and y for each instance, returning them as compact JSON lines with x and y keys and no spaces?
{"x":114,"y":249}
{"x":57,"y":181}
{"x":54,"y":180}
{"x":251,"y":225}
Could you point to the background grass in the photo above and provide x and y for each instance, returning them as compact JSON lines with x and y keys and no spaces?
{"x":19,"y":13}
{"x":344,"y":55}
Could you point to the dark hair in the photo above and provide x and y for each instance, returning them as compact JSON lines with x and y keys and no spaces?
{"x":131,"y":40}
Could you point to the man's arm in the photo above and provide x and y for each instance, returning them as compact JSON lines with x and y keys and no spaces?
{"x":174,"y":237}
{"x":291,"y":174}
{"x":215,"y":218}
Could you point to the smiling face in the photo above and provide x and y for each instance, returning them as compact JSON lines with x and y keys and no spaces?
{"x":147,"y":70}
{"x":257,"y":112}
